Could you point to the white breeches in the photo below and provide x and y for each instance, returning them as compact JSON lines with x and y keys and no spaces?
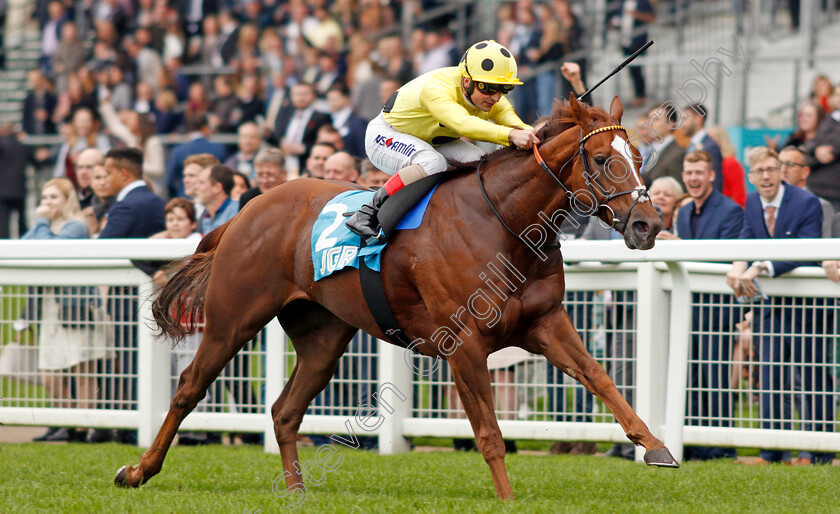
{"x":390,"y":150}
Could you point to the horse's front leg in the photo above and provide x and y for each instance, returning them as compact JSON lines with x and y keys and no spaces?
{"x":472,"y":379}
{"x":555,"y":337}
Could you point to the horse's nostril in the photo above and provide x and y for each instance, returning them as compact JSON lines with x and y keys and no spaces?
{"x":641,"y":227}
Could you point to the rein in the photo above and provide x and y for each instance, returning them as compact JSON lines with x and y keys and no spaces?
{"x":639,"y":193}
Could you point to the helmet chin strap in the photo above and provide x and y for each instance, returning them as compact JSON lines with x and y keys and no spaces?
{"x":470,"y":89}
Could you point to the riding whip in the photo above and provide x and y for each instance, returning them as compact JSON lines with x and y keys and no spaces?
{"x":618,"y":68}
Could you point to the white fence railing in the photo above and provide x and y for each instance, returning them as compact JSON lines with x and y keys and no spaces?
{"x":640,"y":315}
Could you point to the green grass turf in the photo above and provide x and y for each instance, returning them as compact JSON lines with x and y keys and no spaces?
{"x":78,"y":478}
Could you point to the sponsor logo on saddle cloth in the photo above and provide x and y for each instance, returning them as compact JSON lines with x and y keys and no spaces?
{"x":335,"y":247}
{"x":395,"y":146}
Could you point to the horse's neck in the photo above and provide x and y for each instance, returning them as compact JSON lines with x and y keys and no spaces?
{"x":524,"y":194}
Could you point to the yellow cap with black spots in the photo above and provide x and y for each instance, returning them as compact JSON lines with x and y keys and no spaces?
{"x":489,"y":62}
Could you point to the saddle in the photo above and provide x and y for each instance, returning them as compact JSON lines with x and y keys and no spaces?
{"x":391,"y":215}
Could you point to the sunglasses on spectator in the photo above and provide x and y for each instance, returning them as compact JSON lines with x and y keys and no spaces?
{"x":761,"y":171}
{"x":791,"y":164}
{"x":492,"y":89}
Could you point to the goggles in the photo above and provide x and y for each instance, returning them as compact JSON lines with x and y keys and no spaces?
{"x":492,"y":89}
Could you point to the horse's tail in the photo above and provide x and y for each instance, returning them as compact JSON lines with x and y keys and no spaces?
{"x":179,"y":307}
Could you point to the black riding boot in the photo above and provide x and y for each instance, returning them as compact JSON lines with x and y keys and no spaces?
{"x":363,"y":221}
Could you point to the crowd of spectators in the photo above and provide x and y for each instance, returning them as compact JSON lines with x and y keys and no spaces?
{"x":288,"y":68}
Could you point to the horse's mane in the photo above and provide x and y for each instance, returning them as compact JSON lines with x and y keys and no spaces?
{"x":560,"y":120}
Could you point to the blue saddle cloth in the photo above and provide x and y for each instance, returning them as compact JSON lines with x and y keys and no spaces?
{"x":334,"y":246}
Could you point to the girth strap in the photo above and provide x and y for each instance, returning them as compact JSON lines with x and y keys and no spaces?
{"x":374,"y":293}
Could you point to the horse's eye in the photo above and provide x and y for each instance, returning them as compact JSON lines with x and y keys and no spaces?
{"x":600,"y":160}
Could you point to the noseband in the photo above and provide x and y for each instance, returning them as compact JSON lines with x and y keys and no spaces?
{"x":639,"y":193}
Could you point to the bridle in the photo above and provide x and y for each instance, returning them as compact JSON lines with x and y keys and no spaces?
{"x":639,"y":193}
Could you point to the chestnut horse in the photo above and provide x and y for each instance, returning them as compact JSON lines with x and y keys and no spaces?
{"x":259,"y":266}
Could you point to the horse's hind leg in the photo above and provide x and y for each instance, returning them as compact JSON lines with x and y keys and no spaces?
{"x":319,"y":339}
{"x":472,"y":379}
{"x":222,"y":340}
{"x":556,"y":338}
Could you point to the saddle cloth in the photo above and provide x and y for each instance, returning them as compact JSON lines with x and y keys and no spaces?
{"x":334,"y":246}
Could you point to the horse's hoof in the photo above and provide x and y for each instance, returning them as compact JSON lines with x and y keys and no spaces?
{"x":121,"y":480}
{"x":661,"y":457}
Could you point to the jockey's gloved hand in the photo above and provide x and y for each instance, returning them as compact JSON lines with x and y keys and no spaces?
{"x":523,"y":138}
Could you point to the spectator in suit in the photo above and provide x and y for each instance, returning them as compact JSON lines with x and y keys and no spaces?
{"x":693,"y":123}
{"x":350,"y":125}
{"x":103,"y":200}
{"x":734,"y":182}
{"x":341,"y":166}
{"x":87,"y":160}
{"x":271,"y":172}
{"x":213,"y":191}
{"x":39,"y":104}
{"x":137,"y":214}
{"x":278,"y":97}
{"x":198,"y":143}
{"x":51,"y":34}
{"x":315,"y":163}
{"x":724,"y":220}
{"x":790,"y":335}
{"x":14,"y":155}
{"x":297,"y":127}
{"x":823,"y":155}
{"x":710,"y":215}
{"x":249,"y":142}
{"x":664,"y":157}
{"x":795,"y":171}
{"x":325,"y":74}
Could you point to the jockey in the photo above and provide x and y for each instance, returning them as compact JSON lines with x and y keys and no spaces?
{"x":421,"y":125}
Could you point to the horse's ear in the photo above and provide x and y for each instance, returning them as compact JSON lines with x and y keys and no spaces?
{"x":616,"y":109}
{"x":578,"y":110}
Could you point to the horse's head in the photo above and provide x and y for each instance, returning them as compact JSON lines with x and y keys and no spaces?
{"x":605,"y":180}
